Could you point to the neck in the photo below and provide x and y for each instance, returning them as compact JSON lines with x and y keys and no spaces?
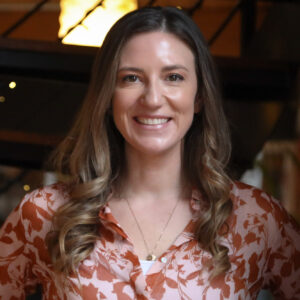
{"x":152,"y":177}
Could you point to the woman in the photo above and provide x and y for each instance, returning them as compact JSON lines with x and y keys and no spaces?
{"x":150,"y":212}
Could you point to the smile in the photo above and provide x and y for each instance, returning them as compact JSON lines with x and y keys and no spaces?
{"x":152,"y":121}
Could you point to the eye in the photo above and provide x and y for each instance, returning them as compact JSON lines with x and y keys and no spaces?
{"x":175,"y":77}
{"x":130,"y":78}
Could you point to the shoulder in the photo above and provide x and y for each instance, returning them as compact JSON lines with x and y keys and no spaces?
{"x":255,"y":201}
{"x":29,"y":223}
{"x":264,"y":240}
{"x":48,"y":198}
{"x":255,"y":210}
{"x":37,"y":208}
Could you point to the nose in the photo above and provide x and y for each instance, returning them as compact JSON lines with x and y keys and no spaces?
{"x":153,"y":94}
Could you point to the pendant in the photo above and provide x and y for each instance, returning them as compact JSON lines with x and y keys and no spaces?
{"x":151,"y":257}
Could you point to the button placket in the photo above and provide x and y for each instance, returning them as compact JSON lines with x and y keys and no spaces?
{"x":163,"y":259}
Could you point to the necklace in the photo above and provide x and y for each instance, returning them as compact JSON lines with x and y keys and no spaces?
{"x":151,"y":255}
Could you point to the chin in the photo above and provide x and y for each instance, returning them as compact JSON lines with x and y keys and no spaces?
{"x":155,"y":149}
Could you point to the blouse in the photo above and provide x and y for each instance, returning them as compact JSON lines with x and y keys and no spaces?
{"x":263,"y":242}
{"x":146,"y":265}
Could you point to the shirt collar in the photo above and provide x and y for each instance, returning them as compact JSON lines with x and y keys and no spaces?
{"x":196,"y":203}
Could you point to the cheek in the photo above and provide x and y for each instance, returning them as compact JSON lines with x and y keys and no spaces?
{"x":118,"y":103}
{"x":120,"y":110}
{"x":123,"y":99}
{"x":185,"y":102}
{"x":116,"y":110}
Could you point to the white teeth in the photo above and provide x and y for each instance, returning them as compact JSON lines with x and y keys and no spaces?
{"x":152,"y":121}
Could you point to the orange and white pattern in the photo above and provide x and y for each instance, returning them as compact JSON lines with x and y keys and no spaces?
{"x":263,"y":242}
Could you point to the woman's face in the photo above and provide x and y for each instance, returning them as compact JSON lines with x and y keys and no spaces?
{"x":154,"y":98}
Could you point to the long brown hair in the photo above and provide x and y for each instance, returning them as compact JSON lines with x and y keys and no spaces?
{"x":92,"y":153}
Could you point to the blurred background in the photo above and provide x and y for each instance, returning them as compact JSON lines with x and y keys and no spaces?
{"x":46,"y":52}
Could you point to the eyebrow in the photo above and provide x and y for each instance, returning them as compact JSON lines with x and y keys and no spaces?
{"x":174,"y":67}
{"x":166,"y":68}
{"x":130,"y":69}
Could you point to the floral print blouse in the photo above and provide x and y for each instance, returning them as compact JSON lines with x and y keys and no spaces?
{"x":263,"y":242}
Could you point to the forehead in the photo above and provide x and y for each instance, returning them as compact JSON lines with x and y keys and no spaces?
{"x":157,"y":45}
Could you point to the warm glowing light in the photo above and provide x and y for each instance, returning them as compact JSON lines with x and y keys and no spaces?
{"x":12,"y":85}
{"x":26,"y":187}
{"x":2,"y":99}
{"x":94,"y":28}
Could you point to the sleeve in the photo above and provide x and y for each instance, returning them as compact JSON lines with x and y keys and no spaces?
{"x":16,"y":277}
{"x":282,"y":275}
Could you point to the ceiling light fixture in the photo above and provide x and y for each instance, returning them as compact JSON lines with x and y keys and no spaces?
{"x":87,"y":22}
{"x":12,"y":84}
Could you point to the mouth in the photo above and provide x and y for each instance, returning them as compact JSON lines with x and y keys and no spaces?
{"x":152,"y":121}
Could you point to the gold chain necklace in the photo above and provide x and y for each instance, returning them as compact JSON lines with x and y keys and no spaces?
{"x":151,"y":255}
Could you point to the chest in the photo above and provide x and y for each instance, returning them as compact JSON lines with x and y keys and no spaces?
{"x":152,"y":230}
{"x":113,"y":271}
{"x":117,"y":275}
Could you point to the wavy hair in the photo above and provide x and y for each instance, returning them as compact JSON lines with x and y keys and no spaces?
{"x":93,"y":152}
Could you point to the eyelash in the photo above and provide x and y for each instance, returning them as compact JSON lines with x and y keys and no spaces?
{"x":134,"y":78}
{"x":128,"y":78}
{"x":178,"y":77}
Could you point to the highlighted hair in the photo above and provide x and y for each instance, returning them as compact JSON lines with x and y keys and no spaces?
{"x":92,"y":153}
